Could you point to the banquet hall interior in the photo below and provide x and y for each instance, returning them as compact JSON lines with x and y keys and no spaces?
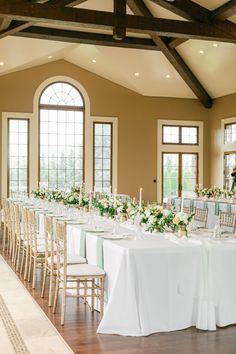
{"x":118,"y":176}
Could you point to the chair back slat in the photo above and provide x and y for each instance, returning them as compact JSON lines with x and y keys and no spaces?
{"x":228,"y":220}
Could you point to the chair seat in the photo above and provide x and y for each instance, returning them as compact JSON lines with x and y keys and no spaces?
{"x":71,"y":259}
{"x":87,"y":270}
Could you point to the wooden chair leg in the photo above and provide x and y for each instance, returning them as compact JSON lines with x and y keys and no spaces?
{"x":50,"y":289}
{"x":101,"y":297}
{"x":55,"y":296}
{"x":44,"y":281}
{"x":63,"y":303}
{"x":93,"y":294}
{"x":18,"y":257}
{"x":22,"y":259}
{"x":29,"y":268}
{"x":34,"y":272}
{"x":85,"y":291}
{"x":26,"y":263}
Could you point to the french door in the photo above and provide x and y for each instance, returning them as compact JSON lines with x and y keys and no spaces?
{"x":179,"y":174}
{"x":229,"y":164}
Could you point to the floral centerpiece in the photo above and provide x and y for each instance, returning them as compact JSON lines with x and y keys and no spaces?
{"x":180,"y":221}
{"x":39,"y":193}
{"x":105,"y":205}
{"x":156,"y":218}
{"x":55,"y":195}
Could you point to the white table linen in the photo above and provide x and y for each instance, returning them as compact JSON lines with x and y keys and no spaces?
{"x":159,"y":285}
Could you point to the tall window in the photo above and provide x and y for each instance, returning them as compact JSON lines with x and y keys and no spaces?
{"x":61,"y":136}
{"x":229,"y":164}
{"x":18,"y":155}
{"x":102,"y":157}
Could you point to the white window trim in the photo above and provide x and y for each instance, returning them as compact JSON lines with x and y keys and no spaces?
{"x":5,"y":117}
{"x":114,"y":121}
{"x":225,"y":147}
{"x":177,"y":148}
{"x":34,"y":141}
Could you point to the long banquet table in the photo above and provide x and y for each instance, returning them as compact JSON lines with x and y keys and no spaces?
{"x":160,"y":284}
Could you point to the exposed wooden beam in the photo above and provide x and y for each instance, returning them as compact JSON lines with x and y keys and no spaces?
{"x":119,"y":31}
{"x":4,"y":23}
{"x":225,"y":11}
{"x":82,"y":17}
{"x":175,"y":42}
{"x":68,"y":3}
{"x":139,"y":8}
{"x":14,"y":27}
{"x":186,"y":9}
{"x":87,"y":38}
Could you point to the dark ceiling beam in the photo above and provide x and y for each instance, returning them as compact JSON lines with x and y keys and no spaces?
{"x":86,"y":38}
{"x":225,"y":11}
{"x":194,"y":12}
{"x":4,"y":23}
{"x":119,"y":31}
{"x":57,"y":15}
{"x":139,"y":8}
{"x":186,"y":9}
{"x":14,"y":27}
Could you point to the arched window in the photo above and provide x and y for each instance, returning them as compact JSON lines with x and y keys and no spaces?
{"x":61,"y":162}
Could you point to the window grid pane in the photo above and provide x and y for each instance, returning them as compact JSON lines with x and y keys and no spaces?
{"x":230,"y":133}
{"x":102,"y":157}
{"x":18,"y":130}
{"x":229,"y":164}
{"x":187,"y":135}
{"x":61,"y":138}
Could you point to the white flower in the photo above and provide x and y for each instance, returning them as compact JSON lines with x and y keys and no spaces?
{"x":182,"y":217}
{"x":166,"y":212}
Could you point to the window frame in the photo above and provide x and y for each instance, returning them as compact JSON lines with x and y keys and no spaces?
{"x":28,"y":152}
{"x":180,"y":126}
{"x":180,"y":170}
{"x":111,"y":158}
{"x":60,"y":108}
{"x":225,"y":127}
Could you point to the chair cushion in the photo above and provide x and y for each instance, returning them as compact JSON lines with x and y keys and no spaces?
{"x":71,"y":259}
{"x":88,"y":270}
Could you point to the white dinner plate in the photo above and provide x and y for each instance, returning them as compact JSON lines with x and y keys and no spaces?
{"x":76,"y":222}
{"x":113,"y":237}
{"x":96,"y":230}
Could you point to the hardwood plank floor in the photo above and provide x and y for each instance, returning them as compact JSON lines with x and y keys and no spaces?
{"x":80,"y":333}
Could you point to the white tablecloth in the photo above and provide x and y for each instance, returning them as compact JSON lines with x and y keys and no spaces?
{"x":160,"y":285}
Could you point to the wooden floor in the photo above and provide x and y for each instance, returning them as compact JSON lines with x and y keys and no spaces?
{"x":80,"y":333}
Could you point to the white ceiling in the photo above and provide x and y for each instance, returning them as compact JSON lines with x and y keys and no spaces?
{"x":215,"y":68}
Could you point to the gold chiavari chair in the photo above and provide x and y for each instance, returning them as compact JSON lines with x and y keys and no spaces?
{"x":227,"y":221}
{"x":36,"y":246}
{"x":12,"y":228}
{"x":90,"y":276}
{"x":187,"y":210}
{"x":200,"y":216}
{"x":6,"y":231}
{"x":50,"y":265}
{"x":18,"y":234}
{"x":26,"y":243}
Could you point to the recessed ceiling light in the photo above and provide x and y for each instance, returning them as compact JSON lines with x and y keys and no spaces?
{"x":136,"y":74}
{"x":168,"y":76}
{"x":1,"y":63}
{"x":215,"y":45}
{"x":94,"y":60}
{"x":50,"y":57}
{"x":201,"y":51}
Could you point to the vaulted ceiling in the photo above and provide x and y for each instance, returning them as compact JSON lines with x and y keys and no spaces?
{"x":175,"y":48}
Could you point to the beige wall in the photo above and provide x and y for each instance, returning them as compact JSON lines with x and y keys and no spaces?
{"x":224,"y":107}
{"x":137,"y":125}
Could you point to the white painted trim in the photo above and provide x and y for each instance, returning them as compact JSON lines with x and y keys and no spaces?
{"x":113,"y":120}
{"x":225,"y":147}
{"x":5,"y":116}
{"x":178,"y":148}
{"x":34,"y":123}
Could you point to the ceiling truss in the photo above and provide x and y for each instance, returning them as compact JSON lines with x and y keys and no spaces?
{"x":22,"y":18}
